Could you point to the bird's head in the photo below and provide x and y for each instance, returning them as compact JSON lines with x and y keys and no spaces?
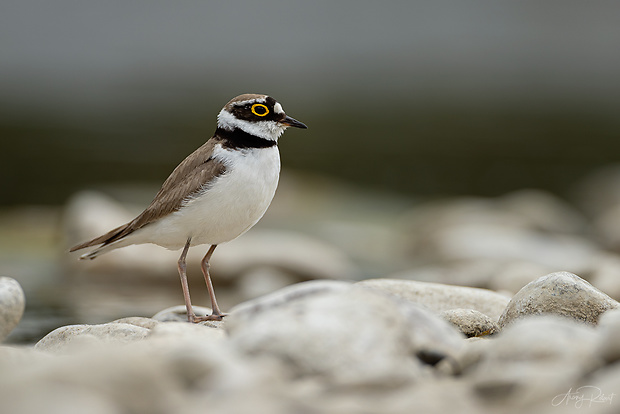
{"x":258,"y":115}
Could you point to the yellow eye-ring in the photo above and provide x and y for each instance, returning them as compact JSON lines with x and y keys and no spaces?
{"x":260,"y":109}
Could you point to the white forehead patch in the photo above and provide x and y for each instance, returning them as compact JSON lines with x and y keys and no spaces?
{"x":255,"y":100}
{"x":278,"y":108}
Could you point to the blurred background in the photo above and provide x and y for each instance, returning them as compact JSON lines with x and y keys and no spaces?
{"x":421,"y":113}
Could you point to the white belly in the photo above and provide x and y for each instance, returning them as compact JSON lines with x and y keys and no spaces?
{"x":234,"y":203}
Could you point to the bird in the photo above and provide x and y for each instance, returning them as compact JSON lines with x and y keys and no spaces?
{"x":215,"y":194}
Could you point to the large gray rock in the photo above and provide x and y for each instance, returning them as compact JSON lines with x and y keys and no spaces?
{"x":72,"y":338}
{"x":12,"y":305}
{"x":438,"y":297}
{"x":343,"y":334}
{"x":560,"y":293}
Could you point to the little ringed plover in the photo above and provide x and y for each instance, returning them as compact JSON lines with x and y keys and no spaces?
{"x":216,"y":194}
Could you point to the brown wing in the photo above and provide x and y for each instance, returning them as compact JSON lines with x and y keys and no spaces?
{"x":196,"y":171}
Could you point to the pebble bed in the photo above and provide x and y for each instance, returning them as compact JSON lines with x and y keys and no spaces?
{"x":382,"y":345}
{"x":470,"y":313}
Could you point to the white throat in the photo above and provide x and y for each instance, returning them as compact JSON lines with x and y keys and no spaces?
{"x":270,"y":130}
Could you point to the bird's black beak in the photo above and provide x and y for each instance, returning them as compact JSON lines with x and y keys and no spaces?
{"x":288,"y":121}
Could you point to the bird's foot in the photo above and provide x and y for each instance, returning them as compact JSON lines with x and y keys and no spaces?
{"x":212,"y":317}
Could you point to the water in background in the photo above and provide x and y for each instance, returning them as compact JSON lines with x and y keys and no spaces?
{"x":420,"y":97}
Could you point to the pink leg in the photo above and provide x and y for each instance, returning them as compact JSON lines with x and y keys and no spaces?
{"x":217,"y":314}
{"x":191,"y":317}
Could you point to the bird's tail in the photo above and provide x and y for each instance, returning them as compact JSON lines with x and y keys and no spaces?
{"x":107,"y":242}
{"x":104,"y":248}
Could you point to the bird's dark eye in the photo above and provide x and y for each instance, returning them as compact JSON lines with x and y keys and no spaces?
{"x":260,"y":109}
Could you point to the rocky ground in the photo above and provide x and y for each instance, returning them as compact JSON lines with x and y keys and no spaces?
{"x":501,"y":304}
{"x":381,"y":345}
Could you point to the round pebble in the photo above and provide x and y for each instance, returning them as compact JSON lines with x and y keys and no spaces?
{"x":562,"y":294}
{"x":12,"y":305}
{"x":470,"y":322}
